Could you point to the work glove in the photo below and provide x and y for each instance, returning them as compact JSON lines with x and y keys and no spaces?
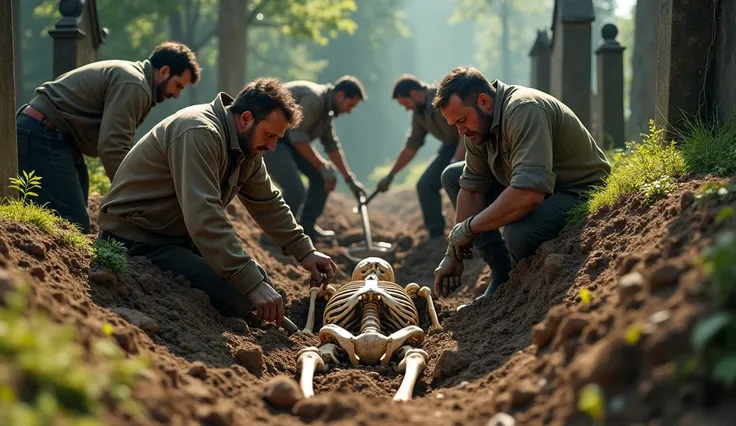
{"x":356,"y":187}
{"x":460,"y":241}
{"x":447,"y":276}
{"x":385,"y":183}
{"x":329,"y":175}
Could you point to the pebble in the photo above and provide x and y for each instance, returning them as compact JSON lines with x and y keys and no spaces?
{"x":629,"y":285}
{"x":501,"y":419}
{"x":251,"y":358}
{"x":103,"y":277}
{"x":663,"y":277}
{"x":137,"y":318}
{"x":198,"y":370}
{"x":38,"y":272}
{"x":310,"y":408}
{"x":282,"y":392}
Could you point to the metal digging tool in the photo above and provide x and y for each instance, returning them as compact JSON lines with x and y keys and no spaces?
{"x":383,"y":250}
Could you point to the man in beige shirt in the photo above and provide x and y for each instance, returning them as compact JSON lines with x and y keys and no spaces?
{"x":416,"y":96}
{"x":529,"y":161}
{"x":294,"y":154}
{"x":94,"y":110}
{"x":167,"y":201}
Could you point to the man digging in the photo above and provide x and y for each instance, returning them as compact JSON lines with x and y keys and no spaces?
{"x":416,"y":96}
{"x":167,"y":201}
{"x":94,"y":110}
{"x":529,"y":160}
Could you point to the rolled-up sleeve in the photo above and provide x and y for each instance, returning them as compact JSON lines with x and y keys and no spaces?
{"x":311,"y":113}
{"x":529,"y":130}
{"x":477,"y":175}
{"x":194,"y":158}
{"x":417,"y":133}
{"x":266,"y":205}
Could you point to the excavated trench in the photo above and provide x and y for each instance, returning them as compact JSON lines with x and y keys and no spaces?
{"x":212,"y":370}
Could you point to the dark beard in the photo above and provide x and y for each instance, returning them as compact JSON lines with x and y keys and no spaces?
{"x":486,"y":121}
{"x":245,"y":139}
{"x":161,"y":90}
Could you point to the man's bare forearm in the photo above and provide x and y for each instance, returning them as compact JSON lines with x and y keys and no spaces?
{"x":468,"y":204}
{"x":512,"y":205}
{"x":309,"y":154}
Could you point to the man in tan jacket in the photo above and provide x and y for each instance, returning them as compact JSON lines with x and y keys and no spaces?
{"x":167,"y":201}
{"x":94,"y":110}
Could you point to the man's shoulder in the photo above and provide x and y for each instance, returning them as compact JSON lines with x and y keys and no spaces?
{"x":517,"y":96}
{"x":200,"y":120}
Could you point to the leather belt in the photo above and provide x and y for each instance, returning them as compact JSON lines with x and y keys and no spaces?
{"x":38,"y":115}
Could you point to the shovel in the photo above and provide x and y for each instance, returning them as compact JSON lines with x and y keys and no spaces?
{"x":385,"y":251}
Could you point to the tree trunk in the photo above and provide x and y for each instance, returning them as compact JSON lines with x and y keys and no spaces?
{"x":8,"y":144}
{"x":17,"y":35}
{"x":232,"y":31}
{"x":644,"y":68}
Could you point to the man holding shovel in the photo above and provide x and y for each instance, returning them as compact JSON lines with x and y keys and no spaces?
{"x":529,"y":161}
{"x":167,"y":200}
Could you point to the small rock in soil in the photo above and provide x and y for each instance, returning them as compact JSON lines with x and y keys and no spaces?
{"x":663,"y":276}
{"x":524,"y":392}
{"x":198,"y":370}
{"x":103,"y":277}
{"x":251,"y":358}
{"x":630,"y":285}
{"x":310,"y":408}
{"x":38,"y":272}
{"x":501,"y":419}
{"x":125,"y":339}
{"x":138,"y":319}
{"x":545,"y":331}
{"x":220,"y":414}
{"x":282,"y":392}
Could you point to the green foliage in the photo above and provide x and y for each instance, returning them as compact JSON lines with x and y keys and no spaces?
{"x":26,"y":211}
{"x":111,"y":255}
{"x":47,"y":377}
{"x":715,"y":191}
{"x":660,"y":188}
{"x":714,"y":337}
{"x":708,"y":146}
{"x":99,"y":183}
{"x":654,"y":160}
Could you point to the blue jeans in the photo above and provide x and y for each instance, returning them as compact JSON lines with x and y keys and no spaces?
{"x":55,"y":157}
{"x":428,"y":190}
{"x":285,"y":166}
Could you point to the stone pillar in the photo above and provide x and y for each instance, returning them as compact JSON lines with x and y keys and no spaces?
{"x":17,"y":36}
{"x":8,"y":143}
{"x":77,"y":35}
{"x":572,"y":55}
{"x":610,"y":108}
{"x":725,"y":96}
{"x":541,"y":62}
{"x":685,"y":60}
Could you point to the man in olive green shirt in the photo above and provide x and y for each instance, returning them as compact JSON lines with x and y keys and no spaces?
{"x":94,"y":110}
{"x":294,"y":154}
{"x":416,"y":96}
{"x":167,"y":201}
{"x":529,"y":161}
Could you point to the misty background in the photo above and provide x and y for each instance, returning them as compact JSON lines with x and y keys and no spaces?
{"x":321,"y":40}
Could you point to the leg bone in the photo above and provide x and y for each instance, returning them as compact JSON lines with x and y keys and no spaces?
{"x":307,"y":363}
{"x":313,"y":293}
{"x":413,"y":364}
{"x":426,"y":293}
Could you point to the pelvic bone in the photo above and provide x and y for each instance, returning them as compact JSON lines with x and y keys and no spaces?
{"x":381,"y":313}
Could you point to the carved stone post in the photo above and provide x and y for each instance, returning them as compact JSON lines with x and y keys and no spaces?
{"x":541,"y":58}
{"x":572,"y":55}
{"x":77,"y":35}
{"x":8,"y":143}
{"x":610,"y":89}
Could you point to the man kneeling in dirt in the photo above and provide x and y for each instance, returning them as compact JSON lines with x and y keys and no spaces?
{"x":529,"y":160}
{"x":167,"y":201}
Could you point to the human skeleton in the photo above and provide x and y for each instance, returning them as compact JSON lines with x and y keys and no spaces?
{"x":385,"y":318}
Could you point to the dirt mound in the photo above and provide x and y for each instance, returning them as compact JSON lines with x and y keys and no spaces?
{"x":210,"y":369}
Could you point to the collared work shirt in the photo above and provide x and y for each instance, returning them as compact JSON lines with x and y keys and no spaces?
{"x":431,"y":121}
{"x":318,"y":114}
{"x":537,"y":143}
{"x":176,"y":181}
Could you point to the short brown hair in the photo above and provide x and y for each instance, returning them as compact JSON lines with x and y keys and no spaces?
{"x":405,"y":84}
{"x":351,"y":87}
{"x":465,"y":82}
{"x":265,"y":94}
{"x":178,"y":56}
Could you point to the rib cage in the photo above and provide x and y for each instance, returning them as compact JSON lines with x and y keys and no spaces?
{"x":397,"y":309}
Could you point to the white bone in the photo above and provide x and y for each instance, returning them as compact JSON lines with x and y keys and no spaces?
{"x":412,"y":366}
{"x":309,"y":361}
{"x":426,"y":293}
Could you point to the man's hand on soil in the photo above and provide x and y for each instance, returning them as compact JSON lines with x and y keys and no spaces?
{"x":269,"y":305}
{"x":447,"y":276}
{"x":320,"y":266}
{"x":461,"y":240}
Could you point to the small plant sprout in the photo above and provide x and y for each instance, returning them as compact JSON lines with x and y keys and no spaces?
{"x":657,"y":189}
{"x":592,"y":402}
{"x":586,"y":296}
{"x":26,"y":184}
{"x":712,"y":191}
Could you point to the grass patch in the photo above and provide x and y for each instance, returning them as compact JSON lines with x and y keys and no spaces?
{"x":99,"y":183}
{"x":111,"y":255}
{"x":48,"y":377}
{"x":709,"y":147}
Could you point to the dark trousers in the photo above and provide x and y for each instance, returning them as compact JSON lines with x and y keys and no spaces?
{"x":187,"y":261}
{"x":428,"y":190}
{"x":285,"y":166}
{"x":520,"y":238}
{"x":54,"y":156}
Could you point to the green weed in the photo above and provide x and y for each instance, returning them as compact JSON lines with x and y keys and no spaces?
{"x":709,"y":146}
{"x":111,"y":255}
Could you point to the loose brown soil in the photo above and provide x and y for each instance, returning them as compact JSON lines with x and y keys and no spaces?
{"x":526,"y":350}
